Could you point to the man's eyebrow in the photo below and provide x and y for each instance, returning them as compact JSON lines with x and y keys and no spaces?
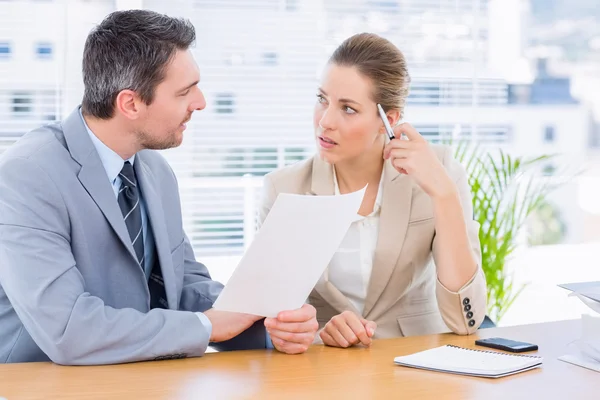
{"x":188,"y":86}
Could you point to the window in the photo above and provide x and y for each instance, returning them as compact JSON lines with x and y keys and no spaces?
{"x":44,"y":50}
{"x":269,"y":58}
{"x":291,"y":5}
{"x":383,"y":5}
{"x":234,"y":58}
{"x":224,"y":103}
{"x":549,"y":134}
{"x":22,"y":104}
{"x":549,"y":169}
{"x":5,"y":50}
{"x":268,"y":5}
{"x":458,"y":92}
{"x":426,"y":94}
{"x":237,"y":161}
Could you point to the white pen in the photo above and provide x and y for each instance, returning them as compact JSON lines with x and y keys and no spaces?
{"x":386,"y":123}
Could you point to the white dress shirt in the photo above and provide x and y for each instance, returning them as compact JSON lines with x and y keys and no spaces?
{"x":350,"y":267}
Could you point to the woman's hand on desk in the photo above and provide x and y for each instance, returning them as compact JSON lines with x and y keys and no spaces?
{"x":416,"y":158}
{"x":292,"y":332}
{"x":347,"y":329}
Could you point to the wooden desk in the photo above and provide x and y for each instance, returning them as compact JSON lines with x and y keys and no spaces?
{"x":322,"y":373}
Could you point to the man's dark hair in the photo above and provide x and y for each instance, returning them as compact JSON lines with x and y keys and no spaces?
{"x":130,"y":50}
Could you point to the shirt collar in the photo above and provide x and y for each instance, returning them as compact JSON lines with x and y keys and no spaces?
{"x":377,"y":205}
{"x":112,"y":162}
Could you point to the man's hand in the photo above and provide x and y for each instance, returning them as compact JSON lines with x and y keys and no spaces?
{"x":227,"y":325}
{"x":292,"y":332}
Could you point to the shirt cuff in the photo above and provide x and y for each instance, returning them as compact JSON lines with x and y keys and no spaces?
{"x":205,"y":322}
{"x":269,"y":343}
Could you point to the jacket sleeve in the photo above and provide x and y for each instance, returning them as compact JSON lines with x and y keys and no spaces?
{"x":41,"y":280}
{"x":463,"y":311}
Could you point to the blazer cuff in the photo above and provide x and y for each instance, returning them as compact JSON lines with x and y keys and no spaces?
{"x":464,"y":311}
{"x":206,"y":323}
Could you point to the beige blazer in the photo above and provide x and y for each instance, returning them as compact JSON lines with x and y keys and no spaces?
{"x":404,"y":296}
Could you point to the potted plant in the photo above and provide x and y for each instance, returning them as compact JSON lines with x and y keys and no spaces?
{"x":506,"y":191}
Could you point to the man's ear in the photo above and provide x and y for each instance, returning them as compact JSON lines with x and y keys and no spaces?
{"x":128,"y":104}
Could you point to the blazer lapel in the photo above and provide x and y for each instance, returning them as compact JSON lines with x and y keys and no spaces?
{"x":156,"y":218}
{"x":92,"y":176}
{"x":393,"y":225}
{"x":322,"y":185}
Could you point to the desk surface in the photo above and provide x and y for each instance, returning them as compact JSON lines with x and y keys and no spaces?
{"x":320,"y":373}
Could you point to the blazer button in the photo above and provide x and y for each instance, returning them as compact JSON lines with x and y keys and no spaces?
{"x":467,"y":307}
{"x":466,"y":301}
{"x":471,"y":323}
{"x":470,"y":314}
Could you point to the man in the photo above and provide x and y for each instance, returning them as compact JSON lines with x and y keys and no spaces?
{"x":95,"y":267}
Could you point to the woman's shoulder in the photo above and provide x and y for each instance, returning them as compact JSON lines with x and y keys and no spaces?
{"x":445,"y":154}
{"x":292,"y":178}
{"x":442,"y":151}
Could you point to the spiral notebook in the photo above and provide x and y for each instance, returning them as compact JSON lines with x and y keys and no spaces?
{"x":459,"y":360}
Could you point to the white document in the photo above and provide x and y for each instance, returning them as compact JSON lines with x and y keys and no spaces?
{"x":289,"y":254}
{"x":581,"y":361}
{"x":591,"y":290}
{"x":587,"y":353}
{"x":592,"y":304}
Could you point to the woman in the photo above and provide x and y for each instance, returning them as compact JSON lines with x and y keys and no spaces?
{"x":417,"y":208}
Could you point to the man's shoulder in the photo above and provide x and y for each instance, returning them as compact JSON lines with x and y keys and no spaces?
{"x":157,"y":165}
{"x":44,"y":146}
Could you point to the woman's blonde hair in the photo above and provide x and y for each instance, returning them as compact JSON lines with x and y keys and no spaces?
{"x":380,"y":61}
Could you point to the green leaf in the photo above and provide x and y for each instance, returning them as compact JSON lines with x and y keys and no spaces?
{"x":506,"y":191}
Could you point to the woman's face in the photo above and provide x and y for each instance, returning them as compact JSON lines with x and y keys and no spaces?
{"x":346,"y":121}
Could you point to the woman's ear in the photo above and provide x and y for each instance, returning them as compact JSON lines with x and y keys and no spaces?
{"x":393,"y":117}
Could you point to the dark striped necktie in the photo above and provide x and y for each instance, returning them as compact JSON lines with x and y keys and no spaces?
{"x":129,"y":201}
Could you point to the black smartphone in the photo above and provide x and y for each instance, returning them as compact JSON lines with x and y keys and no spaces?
{"x":506,"y":344}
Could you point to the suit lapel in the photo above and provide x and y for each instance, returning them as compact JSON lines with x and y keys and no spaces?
{"x":322,"y":185}
{"x":156,"y":218}
{"x":92,"y":176}
{"x":393,"y":225}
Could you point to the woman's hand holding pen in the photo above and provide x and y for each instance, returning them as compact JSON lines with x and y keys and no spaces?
{"x":414,"y":157}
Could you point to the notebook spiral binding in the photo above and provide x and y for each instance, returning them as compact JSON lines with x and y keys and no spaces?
{"x":494,"y":352}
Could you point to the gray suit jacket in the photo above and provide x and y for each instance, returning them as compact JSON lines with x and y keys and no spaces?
{"x":71,"y":290}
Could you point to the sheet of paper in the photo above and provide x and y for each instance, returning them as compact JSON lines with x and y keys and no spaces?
{"x":587,"y":292}
{"x":581,"y":361}
{"x":592,"y":304}
{"x":586,"y":352}
{"x":289,"y":254}
{"x":590,"y":290}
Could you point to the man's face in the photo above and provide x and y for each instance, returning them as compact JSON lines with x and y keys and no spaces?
{"x":175,"y":99}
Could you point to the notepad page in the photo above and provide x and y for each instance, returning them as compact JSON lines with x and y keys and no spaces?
{"x":456,"y":359}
